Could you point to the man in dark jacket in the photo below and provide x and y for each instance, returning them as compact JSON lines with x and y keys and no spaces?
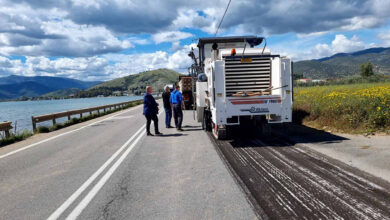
{"x":167,"y":107}
{"x":150,"y":111}
{"x":177,"y":103}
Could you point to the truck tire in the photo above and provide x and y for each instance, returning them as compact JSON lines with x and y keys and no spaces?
{"x":261,"y":127}
{"x":220,"y":134}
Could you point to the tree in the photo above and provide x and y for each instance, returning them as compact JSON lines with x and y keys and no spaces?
{"x":366,"y":69}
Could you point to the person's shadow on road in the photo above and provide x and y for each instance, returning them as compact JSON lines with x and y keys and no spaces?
{"x":173,"y":135}
{"x":192,"y":128}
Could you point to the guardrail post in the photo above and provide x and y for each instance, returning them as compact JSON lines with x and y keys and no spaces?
{"x":68,"y":117}
{"x":34,"y":124}
{"x":54,"y":121}
{"x":81,"y":115}
{"x":6,"y":131}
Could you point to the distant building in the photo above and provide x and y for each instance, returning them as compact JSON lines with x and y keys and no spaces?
{"x":318,"y":80}
{"x":117,"y":93}
{"x":305,"y":80}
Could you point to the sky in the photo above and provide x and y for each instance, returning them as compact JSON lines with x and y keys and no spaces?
{"x":106,"y":39}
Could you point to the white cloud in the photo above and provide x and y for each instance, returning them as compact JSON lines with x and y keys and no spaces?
{"x":321,"y":50}
{"x":106,"y":67}
{"x":385,"y":37}
{"x":170,"y":36}
{"x":341,"y":44}
{"x":89,"y":33}
{"x":139,"y":41}
{"x":189,"y":18}
{"x":29,"y":31}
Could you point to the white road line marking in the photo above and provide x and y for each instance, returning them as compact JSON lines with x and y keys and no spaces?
{"x":56,"y":214}
{"x":84,"y":203}
{"x":59,"y":135}
{"x":85,"y":185}
{"x":122,"y":117}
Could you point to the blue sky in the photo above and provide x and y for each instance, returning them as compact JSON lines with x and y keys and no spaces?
{"x":106,"y":39}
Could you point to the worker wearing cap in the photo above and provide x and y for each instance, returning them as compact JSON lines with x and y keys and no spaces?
{"x":177,"y":103}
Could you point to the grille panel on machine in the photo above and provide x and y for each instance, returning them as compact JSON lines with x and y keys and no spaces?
{"x":254,"y":76}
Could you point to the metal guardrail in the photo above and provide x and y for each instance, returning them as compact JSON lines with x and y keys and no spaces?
{"x":54,"y":116}
{"x":6,"y":126}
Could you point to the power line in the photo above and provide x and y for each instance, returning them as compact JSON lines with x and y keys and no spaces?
{"x":227,"y":7}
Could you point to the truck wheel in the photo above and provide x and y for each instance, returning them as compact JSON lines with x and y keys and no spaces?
{"x":261,"y":127}
{"x":220,"y":134}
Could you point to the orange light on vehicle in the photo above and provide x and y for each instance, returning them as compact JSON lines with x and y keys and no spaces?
{"x":233,"y":52}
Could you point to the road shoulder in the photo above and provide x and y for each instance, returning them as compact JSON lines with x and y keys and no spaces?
{"x":367,"y":153}
{"x":44,"y":136}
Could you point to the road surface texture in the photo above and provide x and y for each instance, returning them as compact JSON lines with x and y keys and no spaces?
{"x":107,"y":168}
{"x":292,"y":182}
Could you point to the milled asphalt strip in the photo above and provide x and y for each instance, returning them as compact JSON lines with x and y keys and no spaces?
{"x":54,"y":137}
{"x":85,"y":185}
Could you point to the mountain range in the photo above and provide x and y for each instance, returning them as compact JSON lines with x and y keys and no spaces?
{"x":135,"y":84}
{"x":345,"y":64}
{"x":336,"y":66}
{"x":12,"y":87}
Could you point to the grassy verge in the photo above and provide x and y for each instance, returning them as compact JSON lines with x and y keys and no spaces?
{"x":15,"y":137}
{"x":45,"y":129}
{"x":355,"y":108}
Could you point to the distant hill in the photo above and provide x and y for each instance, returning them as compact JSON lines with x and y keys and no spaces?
{"x":13,"y":86}
{"x":345,"y":64}
{"x":134,"y":84}
{"x":62,"y":93}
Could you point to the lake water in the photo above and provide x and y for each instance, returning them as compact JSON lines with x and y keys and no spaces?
{"x":20,"y":112}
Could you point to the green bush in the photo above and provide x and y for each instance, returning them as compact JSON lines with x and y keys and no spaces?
{"x":43,"y":129}
{"x":14,"y":138}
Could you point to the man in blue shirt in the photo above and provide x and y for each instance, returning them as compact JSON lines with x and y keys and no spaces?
{"x":150,"y":111}
{"x":177,"y":103}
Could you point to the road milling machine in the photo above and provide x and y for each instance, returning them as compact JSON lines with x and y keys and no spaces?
{"x":239,"y":82}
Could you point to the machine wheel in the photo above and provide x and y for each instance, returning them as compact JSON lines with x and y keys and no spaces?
{"x":220,"y":134}
{"x":261,"y":127}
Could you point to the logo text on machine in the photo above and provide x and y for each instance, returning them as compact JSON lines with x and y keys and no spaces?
{"x":255,"y":110}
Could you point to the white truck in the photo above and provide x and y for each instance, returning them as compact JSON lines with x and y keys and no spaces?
{"x":239,"y":83}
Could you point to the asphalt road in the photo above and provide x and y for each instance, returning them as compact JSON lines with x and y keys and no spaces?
{"x":294,"y":182}
{"x":108,"y":169}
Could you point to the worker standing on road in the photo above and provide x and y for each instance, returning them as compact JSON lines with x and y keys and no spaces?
{"x":166,"y":96}
{"x":177,"y":103}
{"x":150,"y":111}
